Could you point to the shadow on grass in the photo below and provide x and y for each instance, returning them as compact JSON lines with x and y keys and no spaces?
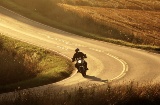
{"x":93,"y":78}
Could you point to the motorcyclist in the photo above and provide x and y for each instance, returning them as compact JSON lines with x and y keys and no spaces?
{"x":81,"y":55}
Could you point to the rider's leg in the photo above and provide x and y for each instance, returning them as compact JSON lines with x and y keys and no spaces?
{"x":85,"y":64}
{"x":76,"y":65}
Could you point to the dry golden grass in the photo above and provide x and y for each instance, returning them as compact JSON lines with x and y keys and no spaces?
{"x":123,"y":4}
{"x":138,"y":18}
{"x":122,"y":94}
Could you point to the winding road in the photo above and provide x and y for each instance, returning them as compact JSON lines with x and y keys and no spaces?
{"x":106,"y":62}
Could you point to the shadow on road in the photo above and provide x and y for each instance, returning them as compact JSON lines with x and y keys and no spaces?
{"x":93,"y":78}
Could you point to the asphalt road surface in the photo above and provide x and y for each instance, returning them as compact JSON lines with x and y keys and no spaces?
{"x":106,"y":62}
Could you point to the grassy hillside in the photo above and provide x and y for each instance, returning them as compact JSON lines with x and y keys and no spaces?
{"x":124,"y":94}
{"x":134,"y":26}
{"x":135,"y":21}
{"x":23,"y":65}
{"x":132,"y":23}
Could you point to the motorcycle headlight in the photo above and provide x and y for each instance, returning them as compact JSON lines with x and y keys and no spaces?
{"x":79,"y":61}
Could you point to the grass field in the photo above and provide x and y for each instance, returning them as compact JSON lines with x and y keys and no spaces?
{"x":23,"y":65}
{"x":130,"y":93}
{"x":135,"y":21}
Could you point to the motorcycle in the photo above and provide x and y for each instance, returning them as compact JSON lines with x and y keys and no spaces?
{"x":81,"y":68}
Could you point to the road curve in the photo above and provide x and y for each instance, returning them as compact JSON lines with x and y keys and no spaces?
{"x":106,"y":61}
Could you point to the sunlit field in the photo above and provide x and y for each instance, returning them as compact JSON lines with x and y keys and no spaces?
{"x":136,"y":21}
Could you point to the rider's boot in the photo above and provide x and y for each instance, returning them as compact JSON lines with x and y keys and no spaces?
{"x":78,"y":71}
{"x":86,"y":67}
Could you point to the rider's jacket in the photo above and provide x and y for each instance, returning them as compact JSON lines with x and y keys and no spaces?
{"x":78,"y":55}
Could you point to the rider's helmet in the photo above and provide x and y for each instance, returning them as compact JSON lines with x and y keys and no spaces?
{"x":77,"y":49}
